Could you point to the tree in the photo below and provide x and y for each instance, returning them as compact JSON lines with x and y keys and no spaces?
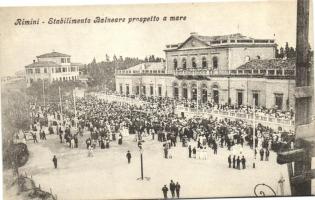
{"x":94,"y":61}
{"x":277,"y":53}
{"x":281,"y":54}
{"x":15,"y":117}
{"x":286,"y":50}
{"x":107,"y":58}
{"x":114,"y":58}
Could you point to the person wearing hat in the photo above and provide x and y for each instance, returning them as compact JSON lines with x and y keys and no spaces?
{"x":128,"y":155}
{"x":55,"y":161}
{"x":165,"y":189}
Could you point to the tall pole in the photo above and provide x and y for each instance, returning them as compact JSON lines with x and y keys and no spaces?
{"x":44,"y":92}
{"x":254,"y":136}
{"x":197,"y":91}
{"x":75,"y":108}
{"x":141,"y":158}
{"x":60,"y":104}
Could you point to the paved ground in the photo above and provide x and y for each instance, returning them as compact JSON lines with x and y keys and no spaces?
{"x":107,"y":174}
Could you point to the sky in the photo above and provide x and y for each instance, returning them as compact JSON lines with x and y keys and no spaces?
{"x":19,"y":45}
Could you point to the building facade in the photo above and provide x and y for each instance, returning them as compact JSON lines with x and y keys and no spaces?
{"x":51,"y":67}
{"x":224,"y":69}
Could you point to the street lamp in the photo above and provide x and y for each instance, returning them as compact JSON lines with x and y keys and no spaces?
{"x":141,"y":160}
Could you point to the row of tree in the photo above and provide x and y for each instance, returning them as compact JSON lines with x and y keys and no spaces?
{"x":286,"y":52}
{"x":102,"y":74}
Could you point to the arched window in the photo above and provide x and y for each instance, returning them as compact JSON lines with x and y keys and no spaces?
{"x":184,"y":63}
{"x":204,"y":62}
{"x":175,"y":64}
{"x":215,"y":62}
{"x":193,"y":62}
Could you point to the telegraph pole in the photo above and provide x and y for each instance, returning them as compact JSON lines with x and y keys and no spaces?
{"x":60,"y":104}
{"x":44,"y":92}
{"x":75,"y":108}
{"x":254,"y":136}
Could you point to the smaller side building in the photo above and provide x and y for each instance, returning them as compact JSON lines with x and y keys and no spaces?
{"x":51,"y":67}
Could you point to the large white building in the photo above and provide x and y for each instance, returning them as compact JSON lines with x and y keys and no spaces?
{"x":52,"y":66}
{"x":232,"y":69}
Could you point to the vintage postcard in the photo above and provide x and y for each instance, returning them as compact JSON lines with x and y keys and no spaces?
{"x":157,"y":101}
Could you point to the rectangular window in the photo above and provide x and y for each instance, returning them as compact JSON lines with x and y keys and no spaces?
{"x":68,"y":60}
{"x":45,"y":70}
{"x":239,"y":98}
{"x":279,"y":101}
{"x":143,"y":90}
{"x":137,"y":90}
{"x":58,"y":70}
{"x":73,"y":69}
{"x":160,"y":91}
{"x":64,"y":69}
{"x":37,"y":71}
{"x":255,"y":99}
{"x":151,"y":90}
{"x":120,"y":88}
{"x":62,"y":60}
{"x":127,"y":89}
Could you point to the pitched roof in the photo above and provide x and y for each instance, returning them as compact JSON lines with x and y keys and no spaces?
{"x":52,"y":54}
{"x":148,"y":66}
{"x":269,"y":64}
{"x":42,"y":64}
{"x":236,"y":36}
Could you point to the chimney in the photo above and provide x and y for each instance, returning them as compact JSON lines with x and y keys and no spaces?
{"x":33,"y":61}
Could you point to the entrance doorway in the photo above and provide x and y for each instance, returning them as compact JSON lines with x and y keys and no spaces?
{"x":204,"y":95}
{"x":255,"y":98}
{"x":185,"y":93}
{"x":176,"y":92}
{"x":239,"y":98}
{"x":194,"y":93}
{"x":216,"y":96}
{"x":278,"y":101}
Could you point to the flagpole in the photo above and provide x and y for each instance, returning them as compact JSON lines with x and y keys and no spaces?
{"x":60,"y":104}
{"x":254,"y":136}
{"x":44,"y":92}
{"x":75,"y":108}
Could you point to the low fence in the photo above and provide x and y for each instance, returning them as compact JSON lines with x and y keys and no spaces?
{"x":286,"y":124}
{"x":127,"y":100}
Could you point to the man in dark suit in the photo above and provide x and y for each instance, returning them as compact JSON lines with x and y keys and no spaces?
{"x":165,"y":189}
{"x":244,"y":162}
{"x":55,"y":161}
{"x":234,"y":159}
{"x":261,"y":152}
{"x":177,"y":187}
{"x":172,"y":188}
{"x":128,"y":155}
{"x":230,"y":161}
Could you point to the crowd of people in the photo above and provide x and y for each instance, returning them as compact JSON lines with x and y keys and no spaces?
{"x":108,"y":122}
